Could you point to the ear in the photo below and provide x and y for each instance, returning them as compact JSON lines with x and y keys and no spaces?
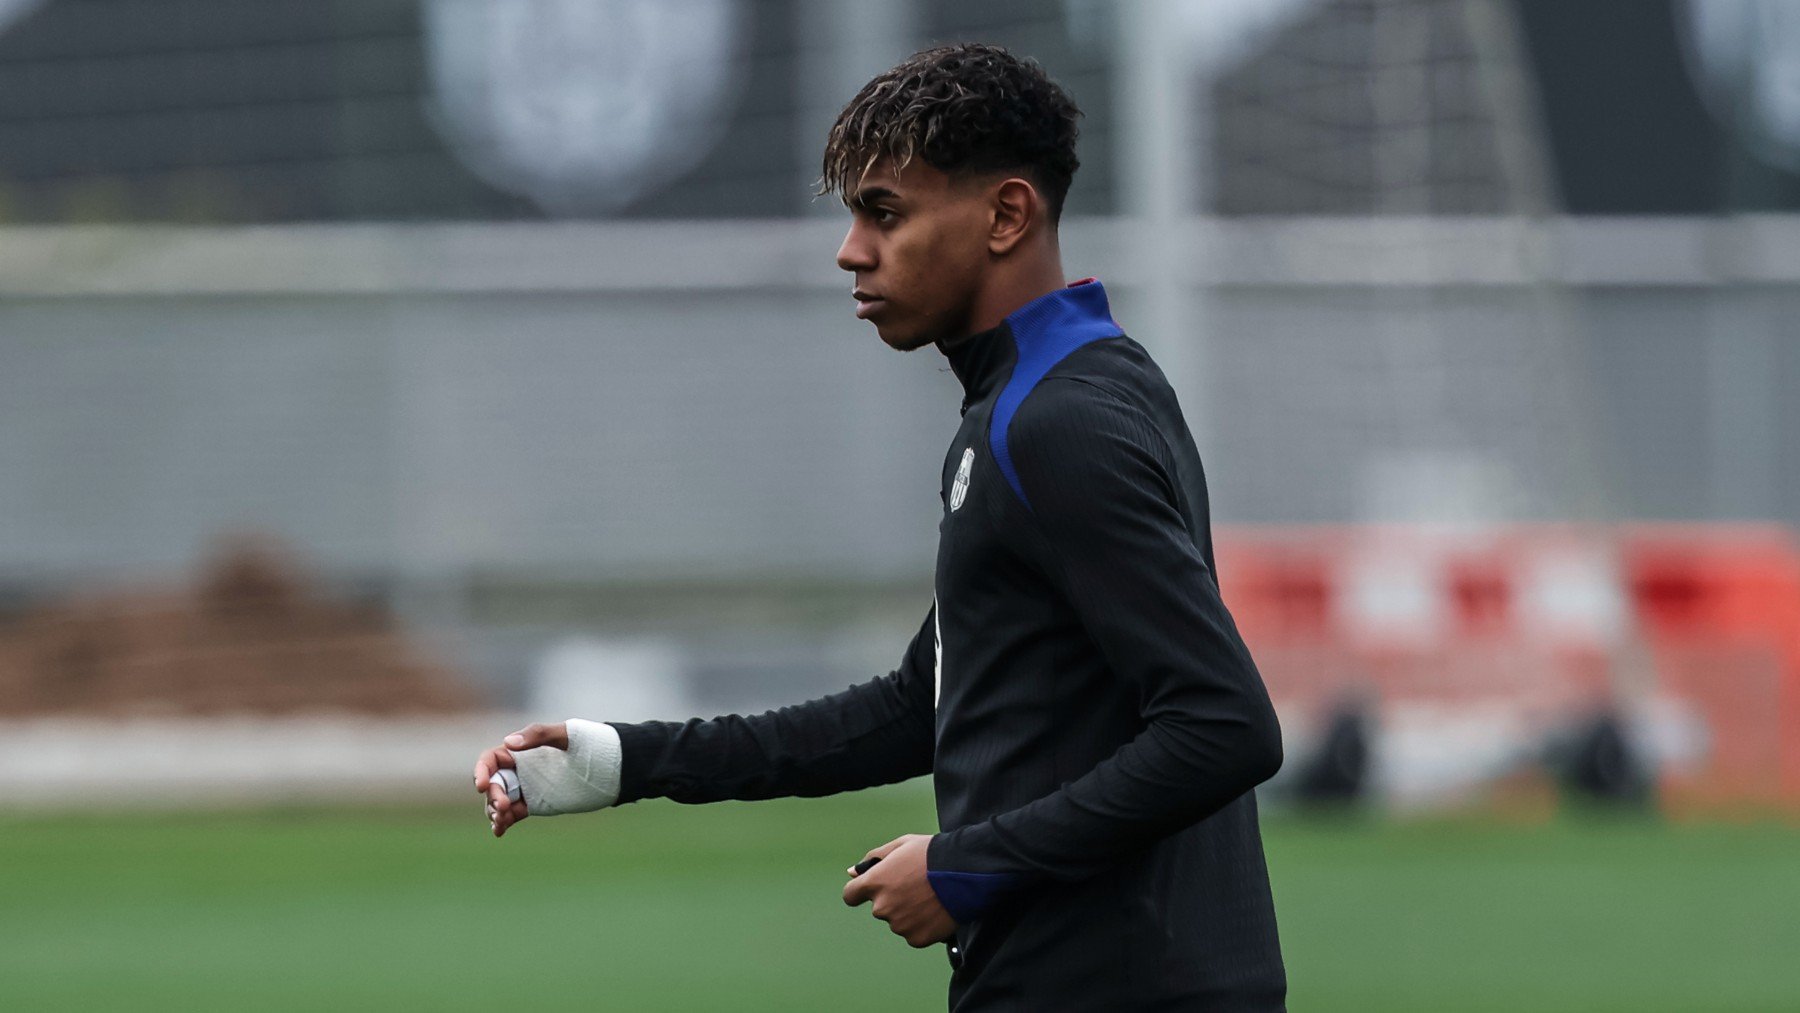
{"x":1013,"y":211}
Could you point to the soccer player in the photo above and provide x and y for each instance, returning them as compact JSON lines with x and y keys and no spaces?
{"x":1093,"y":722}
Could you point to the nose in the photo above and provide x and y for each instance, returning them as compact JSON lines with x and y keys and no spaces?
{"x":856,"y":254}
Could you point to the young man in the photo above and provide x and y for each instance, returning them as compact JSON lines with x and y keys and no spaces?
{"x":1092,"y":720}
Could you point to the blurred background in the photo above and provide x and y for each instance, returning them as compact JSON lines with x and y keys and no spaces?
{"x":378,"y":376}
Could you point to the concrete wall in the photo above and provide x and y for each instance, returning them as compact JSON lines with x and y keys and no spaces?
{"x":694,"y":400}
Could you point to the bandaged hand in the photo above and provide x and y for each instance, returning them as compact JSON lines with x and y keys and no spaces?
{"x":561,"y":768}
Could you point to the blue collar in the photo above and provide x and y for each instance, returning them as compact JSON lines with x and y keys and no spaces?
{"x":1035,"y":336}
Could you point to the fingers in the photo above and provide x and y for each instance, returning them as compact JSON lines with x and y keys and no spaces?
{"x":504,"y":819}
{"x":918,"y":939}
{"x":502,"y":815}
{"x":859,"y":890}
{"x":918,"y":926}
{"x":497,"y":797}
{"x":490,"y":761}
{"x":885,"y":849}
{"x":907,"y":925}
{"x":533,"y":736}
{"x":502,"y":812}
{"x":868,"y":883}
{"x":529,"y":737}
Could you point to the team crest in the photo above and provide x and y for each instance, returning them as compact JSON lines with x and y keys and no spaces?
{"x":959,"y":489}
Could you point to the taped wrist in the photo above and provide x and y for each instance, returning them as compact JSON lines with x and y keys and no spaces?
{"x":580,"y":779}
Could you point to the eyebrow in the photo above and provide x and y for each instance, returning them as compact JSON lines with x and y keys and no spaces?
{"x":869,"y":195}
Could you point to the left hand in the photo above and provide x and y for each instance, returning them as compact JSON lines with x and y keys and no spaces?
{"x":900,"y":893}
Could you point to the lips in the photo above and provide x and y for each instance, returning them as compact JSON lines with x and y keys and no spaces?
{"x":866,"y":303}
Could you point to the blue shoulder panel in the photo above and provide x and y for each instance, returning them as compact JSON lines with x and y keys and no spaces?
{"x":1045,"y":330}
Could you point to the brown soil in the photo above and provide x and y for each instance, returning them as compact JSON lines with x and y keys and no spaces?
{"x":255,"y":635}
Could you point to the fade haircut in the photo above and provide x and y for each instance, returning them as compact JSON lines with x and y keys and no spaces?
{"x":963,"y":109}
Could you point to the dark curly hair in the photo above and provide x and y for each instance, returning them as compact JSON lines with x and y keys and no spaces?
{"x":964,"y":109}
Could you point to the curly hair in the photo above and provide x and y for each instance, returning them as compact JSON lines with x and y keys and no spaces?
{"x":964,"y":109}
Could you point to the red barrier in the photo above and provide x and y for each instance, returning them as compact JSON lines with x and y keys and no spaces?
{"x":1542,"y":624}
{"x":1719,"y":608}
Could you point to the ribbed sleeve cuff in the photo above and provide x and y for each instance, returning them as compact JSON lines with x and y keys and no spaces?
{"x":965,"y":895}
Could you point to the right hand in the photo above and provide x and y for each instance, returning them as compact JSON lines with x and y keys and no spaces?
{"x":502,"y":811}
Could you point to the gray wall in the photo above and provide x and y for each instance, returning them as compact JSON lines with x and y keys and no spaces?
{"x":623,"y":402}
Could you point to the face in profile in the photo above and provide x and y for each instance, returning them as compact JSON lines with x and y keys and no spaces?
{"x":917,"y":248}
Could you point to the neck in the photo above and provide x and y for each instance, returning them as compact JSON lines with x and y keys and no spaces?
{"x":1010,"y":289}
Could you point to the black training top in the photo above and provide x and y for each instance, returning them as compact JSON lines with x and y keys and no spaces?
{"x":1094,"y":722}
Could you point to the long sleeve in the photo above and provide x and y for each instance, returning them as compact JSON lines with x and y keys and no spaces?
{"x":1100,"y":486}
{"x":875,"y":733}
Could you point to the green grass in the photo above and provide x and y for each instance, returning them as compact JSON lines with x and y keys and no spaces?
{"x":663,"y":907}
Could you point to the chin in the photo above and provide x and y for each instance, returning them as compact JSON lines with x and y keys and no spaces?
{"x":903,"y":342}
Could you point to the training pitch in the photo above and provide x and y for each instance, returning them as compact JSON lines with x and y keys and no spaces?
{"x":664,"y":907}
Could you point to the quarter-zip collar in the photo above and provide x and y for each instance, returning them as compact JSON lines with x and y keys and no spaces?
{"x":983,"y":359}
{"x":979,"y":360}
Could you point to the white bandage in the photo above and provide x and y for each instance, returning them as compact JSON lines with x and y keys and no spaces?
{"x":580,"y":779}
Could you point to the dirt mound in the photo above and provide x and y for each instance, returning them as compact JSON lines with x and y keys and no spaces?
{"x":255,"y":635}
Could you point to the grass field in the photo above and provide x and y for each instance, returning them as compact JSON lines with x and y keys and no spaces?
{"x":661,"y":907}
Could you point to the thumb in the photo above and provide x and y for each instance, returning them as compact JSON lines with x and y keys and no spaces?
{"x":532,"y":736}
